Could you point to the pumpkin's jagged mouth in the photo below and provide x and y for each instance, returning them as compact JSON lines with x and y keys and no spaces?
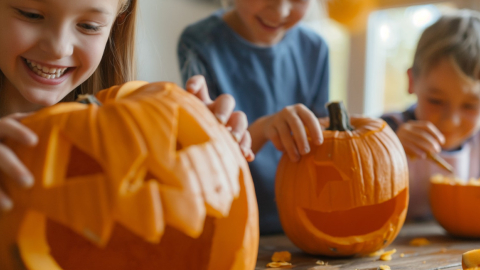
{"x":357,"y":221}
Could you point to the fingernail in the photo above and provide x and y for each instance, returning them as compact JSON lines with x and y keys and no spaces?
{"x":6,"y":204}
{"x":237,"y":136}
{"x":229,"y":128}
{"x":192,"y":86}
{"x":250,"y":156}
{"x":221,"y":118}
{"x":27,"y":181}
{"x":307,"y":150}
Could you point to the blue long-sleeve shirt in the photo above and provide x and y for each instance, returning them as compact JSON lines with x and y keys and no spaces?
{"x":263,"y":80}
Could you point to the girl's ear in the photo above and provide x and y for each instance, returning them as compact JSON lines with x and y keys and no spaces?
{"x":411,"y":81}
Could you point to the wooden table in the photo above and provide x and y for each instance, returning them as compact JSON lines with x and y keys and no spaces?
{"x":443,"y":252}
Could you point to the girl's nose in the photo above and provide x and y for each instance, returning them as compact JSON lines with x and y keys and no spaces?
{"x":57,"y":43}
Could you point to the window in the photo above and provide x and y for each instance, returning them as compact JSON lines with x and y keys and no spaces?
{"x":392,"y":38}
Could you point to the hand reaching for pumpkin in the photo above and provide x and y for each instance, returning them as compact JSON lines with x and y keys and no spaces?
{"x":286,"y":130}
{"x":222,"y":107}
{"x":10,"y":165}
{"x":420,"y":138}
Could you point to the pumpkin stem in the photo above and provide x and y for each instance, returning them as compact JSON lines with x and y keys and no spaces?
{"x":88,"y":99}
{"x":339,"y":119}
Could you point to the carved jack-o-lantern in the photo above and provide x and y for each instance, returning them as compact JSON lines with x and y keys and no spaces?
{"x":148,"y":180}
{"x":350,"y":194}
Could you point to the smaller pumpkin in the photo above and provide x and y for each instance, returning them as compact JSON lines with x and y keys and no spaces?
{"x":471,"y":259}
{"x":349,"y":195}
{"x":455,"y":205}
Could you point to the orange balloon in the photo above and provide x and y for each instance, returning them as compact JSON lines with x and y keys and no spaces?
{"x":353,"y":14}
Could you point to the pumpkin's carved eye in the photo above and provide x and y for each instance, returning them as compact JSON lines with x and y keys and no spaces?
{"x":81,"y":164}
{"x":329,"y":173}
{"x":189,"y":131}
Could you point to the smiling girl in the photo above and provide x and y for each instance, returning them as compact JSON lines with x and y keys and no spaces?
{"x":276,"y":69}
{"x":55,"y":50}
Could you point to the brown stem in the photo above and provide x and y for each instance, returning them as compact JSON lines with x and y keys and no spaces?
{"x":339,"y":119}
{"x":88,"y":99}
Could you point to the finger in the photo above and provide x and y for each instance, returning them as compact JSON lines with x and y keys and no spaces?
{"x":425,"y":141}
{"x":239,"y":124}
{"x":5,"y":203}
{"x":274,"y":137}
{"x":287,"y":141}
{"x":313,"y":125}
{"x":14,"y":168}
{"x":222,"y":108}
{"x":324,"y":123}
{"x":246,"y":147}
{"x":299,"y":134}
{"x":431,"y":129}
{"x":197,"y":86}
{"x":10,"y":128}
{"x":412,"y":148}
{"x":19,"y":116}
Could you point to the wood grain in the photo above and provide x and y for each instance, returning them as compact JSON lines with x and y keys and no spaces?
{"x":443,"y":252}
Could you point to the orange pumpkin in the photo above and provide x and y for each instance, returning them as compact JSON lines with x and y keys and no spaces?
{"x":350,"y":194}
{"x":148,"y":180}
{"x":455,"y":205}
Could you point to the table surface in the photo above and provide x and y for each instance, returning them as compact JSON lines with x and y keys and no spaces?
{"x":443,"y":252}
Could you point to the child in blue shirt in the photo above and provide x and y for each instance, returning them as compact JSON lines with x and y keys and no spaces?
{"x":278,"y":72}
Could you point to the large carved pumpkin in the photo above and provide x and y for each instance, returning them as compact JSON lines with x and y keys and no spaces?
{"x":350,"y":194}
{"x":148,"y":180}
{"x":455,"y":205}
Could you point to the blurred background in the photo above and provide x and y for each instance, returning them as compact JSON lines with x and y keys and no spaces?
{"x":371,"y":44}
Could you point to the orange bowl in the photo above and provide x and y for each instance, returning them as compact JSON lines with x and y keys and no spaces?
{"x":455,"y":205}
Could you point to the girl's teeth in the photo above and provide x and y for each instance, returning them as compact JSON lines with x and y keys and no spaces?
{"x":45,"y":72}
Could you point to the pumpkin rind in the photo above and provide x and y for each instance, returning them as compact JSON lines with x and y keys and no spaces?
{"x":163,"y":175}
{"x":323,"y":199}
{"x":455,"y":207}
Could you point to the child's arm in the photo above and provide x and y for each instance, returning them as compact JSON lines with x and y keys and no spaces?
{"x":420,"y":138}
{"x":10,"y":165}
{"x":222,"y":107}
{"x":286,"y":130}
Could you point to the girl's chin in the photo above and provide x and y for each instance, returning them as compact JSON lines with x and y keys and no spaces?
{"x":42,"y":101}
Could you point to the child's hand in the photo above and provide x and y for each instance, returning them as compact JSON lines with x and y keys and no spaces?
{"x":286,"y":130}
{"x":222,"y":108}
{"x":10,"y":165}
{"x":419,"y":138}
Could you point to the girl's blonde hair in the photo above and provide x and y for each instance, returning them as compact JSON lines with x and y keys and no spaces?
{"x":455,"y":36}
{"x":118,"y":62}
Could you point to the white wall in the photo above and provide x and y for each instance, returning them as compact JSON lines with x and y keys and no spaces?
{"x":160,"y":24}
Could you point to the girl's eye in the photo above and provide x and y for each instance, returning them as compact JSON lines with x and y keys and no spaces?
{"x":435,"y":101}
{"x":89,"y":27}
{"x":30,"y":15}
